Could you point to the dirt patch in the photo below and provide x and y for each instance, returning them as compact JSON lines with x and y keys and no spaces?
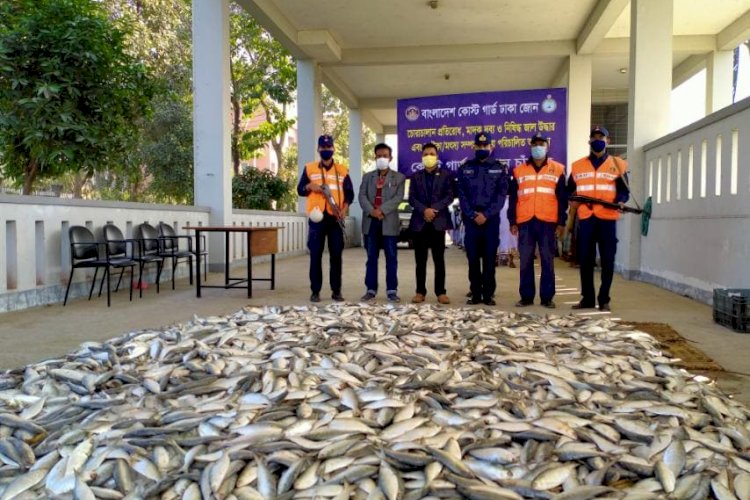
{"x":692,"y":358}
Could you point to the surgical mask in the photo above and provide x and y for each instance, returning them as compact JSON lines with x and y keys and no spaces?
{"x":538,"y":152}
{"x":482,"y":154}
{"x":382,"y":163}
{"x":429,"y":161}
{"x":598,"y":145}
{"x":326,"y":154}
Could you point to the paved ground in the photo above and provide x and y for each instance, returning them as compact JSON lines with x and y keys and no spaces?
{"x":35,"y":334}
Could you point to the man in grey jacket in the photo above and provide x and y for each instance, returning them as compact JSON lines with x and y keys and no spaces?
{"x":380,"y":193}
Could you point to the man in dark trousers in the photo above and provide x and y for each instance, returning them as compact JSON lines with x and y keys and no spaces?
{"x":604,"y":177}
{"x":430,"y":194}
{"x":380,"y":194}
{"x":482,"y":187}
{"x":536,"y":211}
{"x":323,"y":219}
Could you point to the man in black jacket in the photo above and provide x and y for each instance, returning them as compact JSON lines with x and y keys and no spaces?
{"x":430,"y":193}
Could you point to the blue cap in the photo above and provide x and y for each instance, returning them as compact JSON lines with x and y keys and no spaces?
{"x":482,"y":138}
{"x":538,"y":137}
{"x":325,"y":141}
{"x":598,"y":129}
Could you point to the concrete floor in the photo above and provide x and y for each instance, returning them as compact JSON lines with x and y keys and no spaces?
{"x":35,"y":334}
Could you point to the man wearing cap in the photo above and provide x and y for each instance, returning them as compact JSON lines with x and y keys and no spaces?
{"x":538,"y":204}
{"x":430,"y":194}
{"x":482,"y":186}
{"x":323,"y":218}
{"x":380,"y":194}
{"x":603,"y":177}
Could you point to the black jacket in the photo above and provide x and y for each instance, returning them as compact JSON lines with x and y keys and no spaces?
{"x":443,"y":194}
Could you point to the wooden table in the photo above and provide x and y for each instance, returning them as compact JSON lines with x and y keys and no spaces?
{"x":260,"y":241}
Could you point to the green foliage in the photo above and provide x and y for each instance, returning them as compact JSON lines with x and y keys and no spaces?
{"x":167,"y":151}
{"x":264,"y":79}
{"x":336,"y":123}
{"x":161,"y":168}
{"x":257,"y":189}
{"x":71,"y":94}
{"x":288,"y":172}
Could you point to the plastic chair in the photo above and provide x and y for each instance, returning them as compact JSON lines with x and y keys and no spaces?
{"x":170,"y":242}
{"x":85,"y":253}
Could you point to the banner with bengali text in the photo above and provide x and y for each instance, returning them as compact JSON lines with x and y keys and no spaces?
{"x":451,"y":121}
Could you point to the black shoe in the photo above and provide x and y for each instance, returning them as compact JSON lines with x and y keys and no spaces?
{"x":583,"y":305}
{"x":472,"y":301}
{"x":315,"y":297}
{"x":337,"y":297}
{"x":605,"y":307}
{"x":490,"y":302}
{"x":548,"y":304}
{"x":524,"y":303}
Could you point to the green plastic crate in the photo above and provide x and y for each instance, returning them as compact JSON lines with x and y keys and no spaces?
{"x":732,"y":308}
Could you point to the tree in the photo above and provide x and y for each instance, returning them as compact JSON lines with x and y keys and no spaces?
{"x":70,"y":93}
{"x":263,"y":78}
{"x":167,"y":151}
{"x":257,"y":189}
{"x":336,"y":123}
{"x":161,"y":36}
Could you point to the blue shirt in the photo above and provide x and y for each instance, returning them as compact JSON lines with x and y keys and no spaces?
{"x":482,"y":187}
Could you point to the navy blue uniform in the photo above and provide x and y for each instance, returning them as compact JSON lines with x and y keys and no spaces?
{"x":316,"y":239}
{"x":537,"y":233}
{"x":482,"y":187}
{"x":595,"y":232}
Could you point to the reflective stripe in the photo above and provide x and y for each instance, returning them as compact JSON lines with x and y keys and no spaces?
{"x":548,"y":177}
{"x":537,"y":190}
{"x":605,"y":175}
{"x":596,"y":187}
{"x":526,"y":178}
{"x":315,"y":177}
{"x":333,"y":187}
{"x":584,"y":175}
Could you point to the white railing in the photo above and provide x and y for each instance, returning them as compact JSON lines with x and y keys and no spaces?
{"x":699,"y":182}
{"x":35,"y":250}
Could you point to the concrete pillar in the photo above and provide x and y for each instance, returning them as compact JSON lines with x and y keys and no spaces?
{"x":648,"y":109}
{"x":719,"y":68}
{"x":355,"y":168}
{"x":309,"y":115}
{"x":211,"y":118}
{"x":579,"y":107}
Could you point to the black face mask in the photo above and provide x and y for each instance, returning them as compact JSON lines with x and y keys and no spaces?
{"x":598,"y":145}
{"x":482,"y":154}
{"x":326,"y":154}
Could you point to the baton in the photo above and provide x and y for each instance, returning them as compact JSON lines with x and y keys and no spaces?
{"x":607,"y":204}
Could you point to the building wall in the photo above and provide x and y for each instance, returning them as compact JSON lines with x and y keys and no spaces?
{"x":699,"y":181}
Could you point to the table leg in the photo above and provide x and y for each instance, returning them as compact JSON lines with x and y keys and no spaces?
{"x":273,"y":271}
{"x":198,"y":260}
{"x":249,"y":266}
{"x":226,"y":258}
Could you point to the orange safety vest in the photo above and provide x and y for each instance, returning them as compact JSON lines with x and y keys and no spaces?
{"x":536,"y":191}
{"x":334,"y":177}
{"x":598,"y":183}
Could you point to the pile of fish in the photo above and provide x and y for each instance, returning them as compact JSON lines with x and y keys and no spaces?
{"x":368,"y":401}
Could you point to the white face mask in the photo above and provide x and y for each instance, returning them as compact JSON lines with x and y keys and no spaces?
{"x":382,"y":163}
{"x":316,"y":215}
